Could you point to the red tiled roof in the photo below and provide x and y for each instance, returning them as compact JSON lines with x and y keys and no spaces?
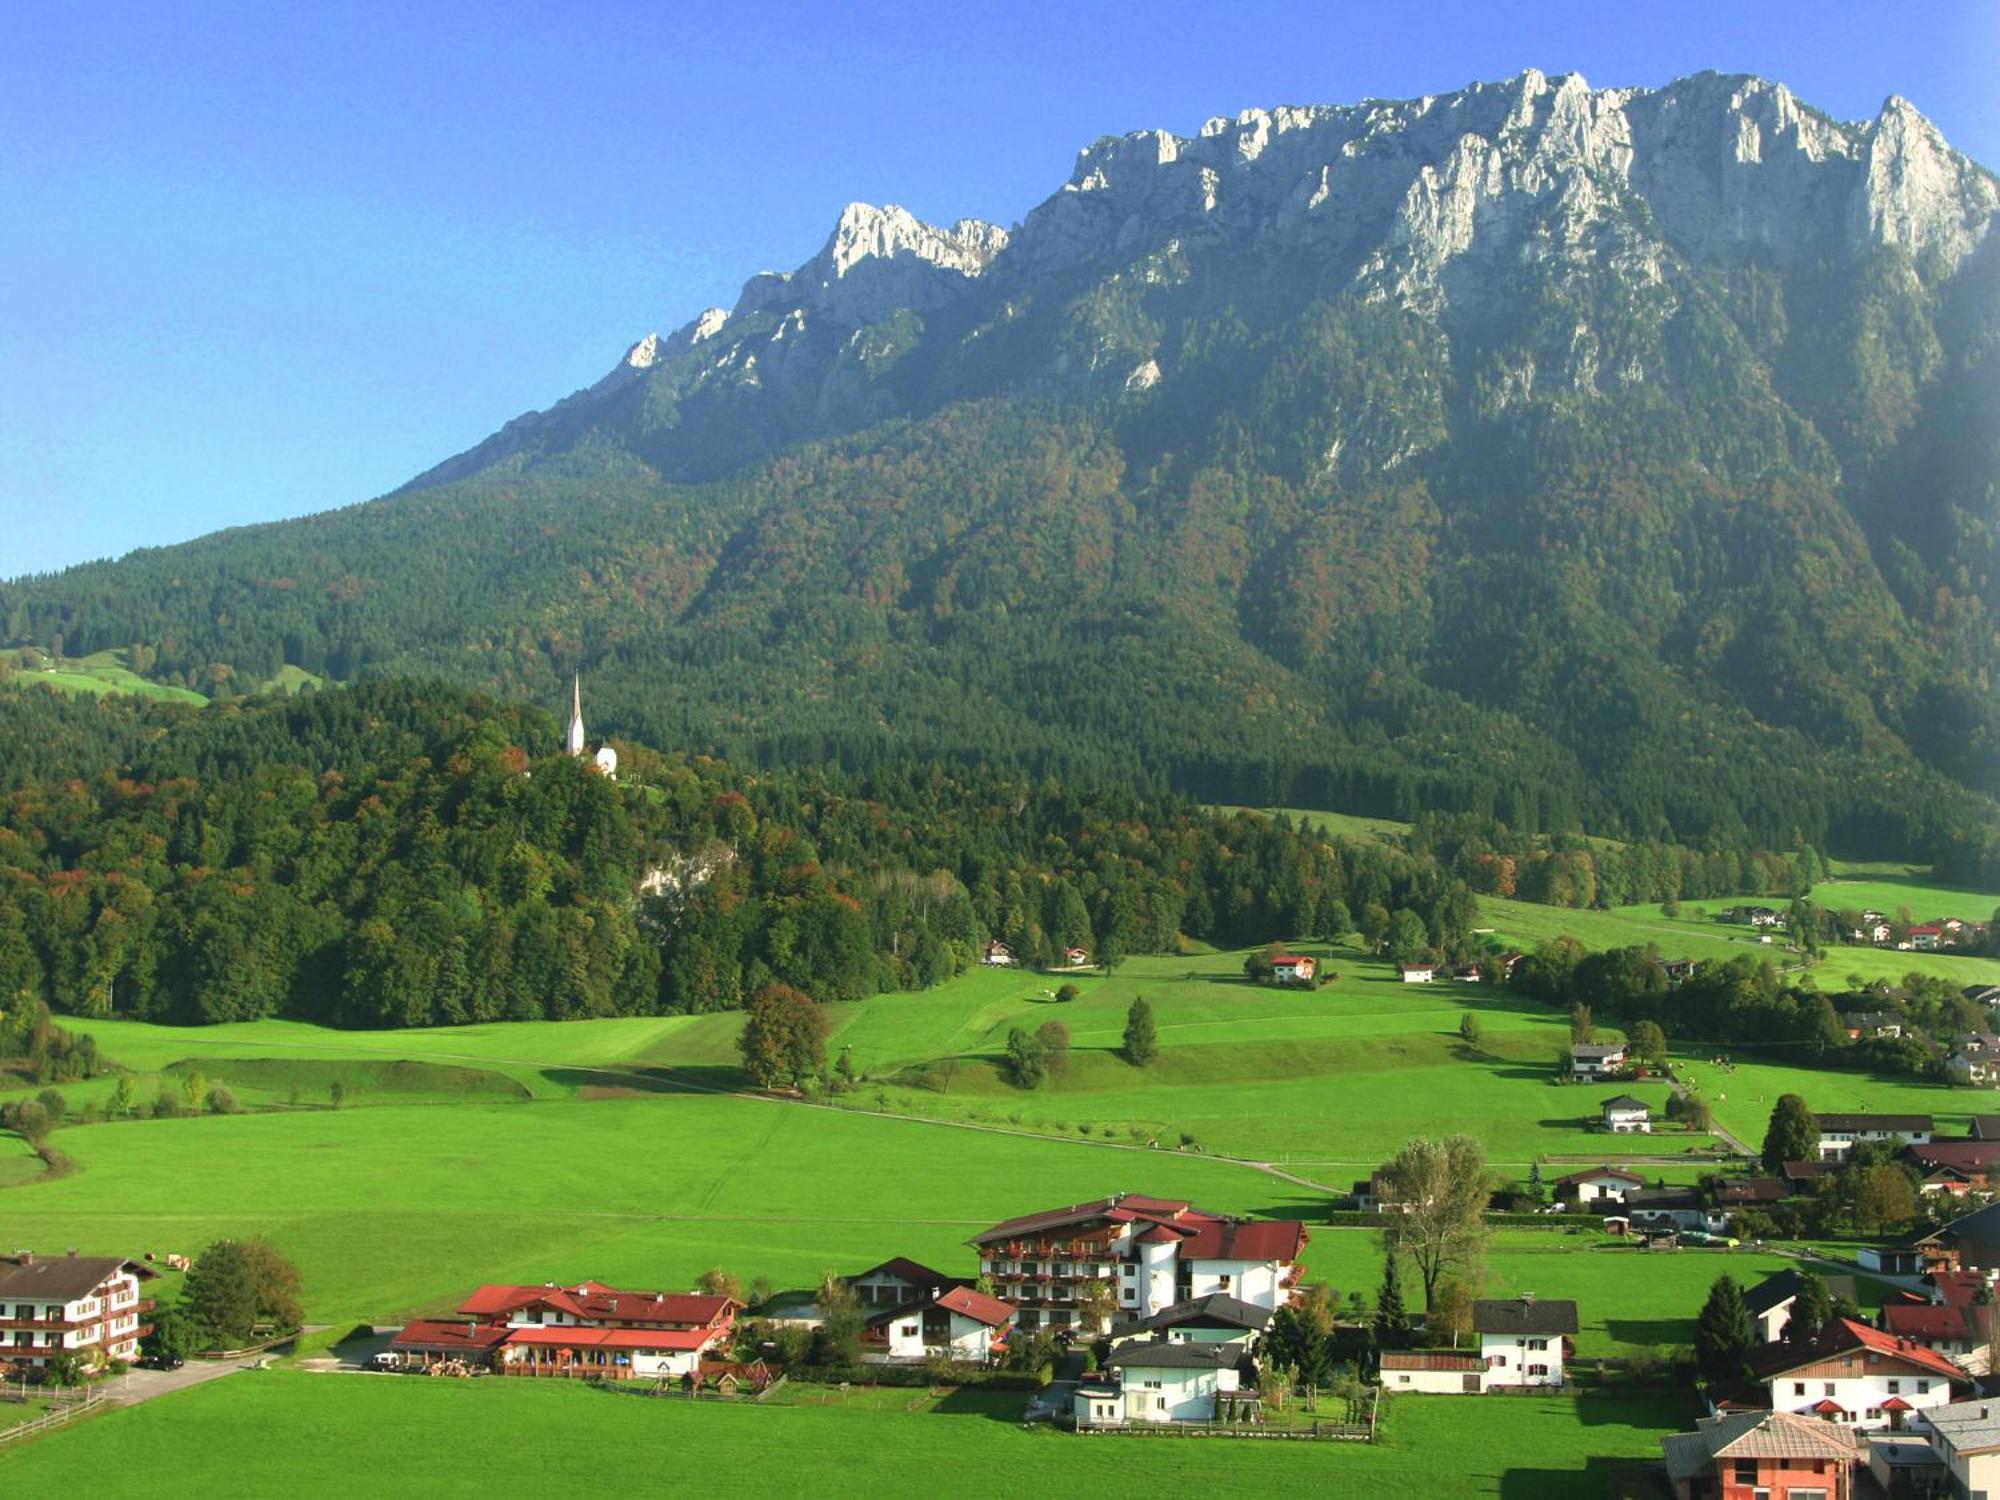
{"x":1828,"y":1407}
{"x":1960,"y":1154}
{"x":438,"y":1334}
{"x":1842,"y":1335}
{"x":976,"y":1305}
{"x":1418,"y":1359}
{"x":1246,"y":1239}
{"x":904,"y":1269}
{"x":1926,"y":1320}
{"x":1124,"y":1209}
{"x":680,"y":1340}
{"x":1897,"y":1403}
{"x":595,"y":1302}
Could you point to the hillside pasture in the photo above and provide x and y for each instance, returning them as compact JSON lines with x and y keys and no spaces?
{"x":447,"y":1437}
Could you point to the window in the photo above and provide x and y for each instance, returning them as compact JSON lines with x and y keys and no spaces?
{"x":1798,"y":1387}
{"x":1923,"y":1387}
{"x":1538,"y":1343}
{"x":1895,"y":1387}
{"x":1159,"y":1403}
{"x":1827,"y":1389}
{"x":1223,"y":1282}
{"x":1746,"y":1471}
{"x":1402,"y":1380}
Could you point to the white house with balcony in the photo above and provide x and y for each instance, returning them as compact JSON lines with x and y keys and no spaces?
{"x":83,"y":1305}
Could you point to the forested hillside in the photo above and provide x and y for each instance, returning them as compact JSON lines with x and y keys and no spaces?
{"x":396,"y":855}
{"x":1535,"y":452}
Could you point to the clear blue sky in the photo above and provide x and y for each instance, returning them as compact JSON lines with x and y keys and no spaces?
{"x":263,"y":259}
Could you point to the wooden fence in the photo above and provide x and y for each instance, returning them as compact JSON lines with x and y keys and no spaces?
{"x":52,"y":1418}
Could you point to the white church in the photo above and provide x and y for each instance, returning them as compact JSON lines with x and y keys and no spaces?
{"x":606,"y":759}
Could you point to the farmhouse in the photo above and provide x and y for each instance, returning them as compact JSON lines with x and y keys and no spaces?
{"x":1948,"y":1328}
{"x":1955,"y":1167}
{"x":957,"y":1323}
{"x":85,"y":1305}
{"x":1147,"y":1254}
{"x":1292,"y":968}
{"x":1598,"y":1185}
{"x":1417,"y":973}
{"x":1469,"y":974}
{"x":1674,"y":1208}
{"x":1168,"y":1380}
{"x":1751,"y":1192}
{"x":898,"y":1283}
{"x":1975,"y":1061}
{"x":1523,"y":1341}
{"x":1970,"y":1242}
{"x":1966,"y":1435}
{"x":1624,"y":1115}
{"x":999,"y":955}
{"x":1765,"y":1455}
{"x":1770,"y":1301}
{"x":587,"y":1329}
{"x":1595,"y":1059}
{"x":1838,"y":1133}
{"x":1867,"y":1023}
{"x":1856,"y":1375}
{"x":1076,"y":958}
{"x":1678,"y":970}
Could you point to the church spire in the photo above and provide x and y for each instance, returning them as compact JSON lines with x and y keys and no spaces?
{"x":575,"y":743}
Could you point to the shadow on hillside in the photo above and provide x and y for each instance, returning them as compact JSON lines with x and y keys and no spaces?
{"x":994,"y":1406}
{"x":1652,"y":1331}
{"x":691,"y":1079}
{"x":1597,"y":1478}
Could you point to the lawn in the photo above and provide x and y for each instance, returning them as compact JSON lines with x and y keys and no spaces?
{"x":1743,"y":1093}
{"x":300,"y":1434}
{"x":100,"y":675}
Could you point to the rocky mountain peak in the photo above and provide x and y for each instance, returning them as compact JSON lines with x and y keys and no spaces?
{"x":877,"y":260}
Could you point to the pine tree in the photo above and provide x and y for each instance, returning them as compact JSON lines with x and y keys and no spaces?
{"x":1723,"y":1334}
{"x":1793,"y":1134}
{"x":1392,"y":1322}
{"x":1142,"y":1042}
{"x":1812,"y":1310}
{"x":1537,"y":1189}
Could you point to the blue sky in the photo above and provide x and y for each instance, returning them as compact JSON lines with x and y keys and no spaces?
{"x":258,"y":260}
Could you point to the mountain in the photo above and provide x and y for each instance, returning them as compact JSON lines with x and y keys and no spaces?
{"x":1621,"y":458}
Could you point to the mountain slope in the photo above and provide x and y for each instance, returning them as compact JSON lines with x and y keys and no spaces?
{"x":1621,"y":456}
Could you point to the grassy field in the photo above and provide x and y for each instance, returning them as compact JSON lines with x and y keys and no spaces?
{"x":346,"y":1435}
{"x":1743,"y":1092}
{"x":105,"y":672}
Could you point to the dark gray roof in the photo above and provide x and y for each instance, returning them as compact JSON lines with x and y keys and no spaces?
{"x":1596,"y":1049}
{"x":1876,"y":1122}
{"x":59,"y":1278}
{"x":1779,"y":1286}
{"x":1663,"y":1197}
{"x":1217,"y":1310}
{"x":1982,"y":1224}
{"x":1625,"y":1101}
{"x":1161,"y":1354}
{"x":1524,"y":1315}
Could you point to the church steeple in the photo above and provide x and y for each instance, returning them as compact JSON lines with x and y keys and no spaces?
{"x":575,"y":742}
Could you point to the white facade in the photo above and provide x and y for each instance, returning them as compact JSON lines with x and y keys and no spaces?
{"x":1151,"y":1394}
{"x":965,"y":1339}
{"x":1860,"y":1396}
{"x":1592,"y":1063}
{"x":102,"y":1327}
{"x":1625,"y":1120}
{"x":1434,"y":1382}
{"x":1836,"y":1141}
{"x":1604,"y":1187}
{"x":1522,"y":1359}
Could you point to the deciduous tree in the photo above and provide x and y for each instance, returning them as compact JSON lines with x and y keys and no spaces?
{"x":1792,"y":1135}
{"x":783,"y":1037}
{"x":1439,"y":1191}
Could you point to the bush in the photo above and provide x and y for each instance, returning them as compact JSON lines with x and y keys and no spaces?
{"x":221,"y":1101}
{"x":1066,"y":993}
{"x":57,"y":1106}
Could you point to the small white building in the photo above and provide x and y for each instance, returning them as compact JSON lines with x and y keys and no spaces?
{"x":1417,"y":973}
{"x":959,"y":1324}
{"x":1838,"y":1133}
{"x":1292,"y":968}
{"x":1624,"y":1115}
{"x":1598,"y":1185}
{"x":999,"y":956}
{"x":1435,"y":1372}
{"x":1523,"y":1340}
{"x":1163,"y":1380}
{"x":88,"y":1306}
{"x":1589,"y":1060}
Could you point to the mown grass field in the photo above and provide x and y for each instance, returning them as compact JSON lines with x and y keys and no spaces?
{"x":299,"y":1434}
{"x":100,"y":675}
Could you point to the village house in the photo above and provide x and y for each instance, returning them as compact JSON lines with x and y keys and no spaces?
{"x":1678,"y":970}
{"x":1589,"y":1060}
{"x":1148,"y":1254}
{"x":1215,"y":1319}
{"x":1506,"y":964}
{"x":1892,"y":1260}
{"x":1469,"y":974}
{"x":1770,"y":1301}
{"x":1419,"y":973}
{"x":1868,"y":1023}
{"x":1169,"y":1380}
{"x":999,"y":955}
{"x":1597,"y":1185}
{"x":1076,"y":958}
{"x":1761,"y":1456}
{"x":957,"y":1323}
{"x":1753,"y":916}
{"x":1974,"y":1061}
{"x":1752,"y":1192}
{"x":1838,"y":1133}
{"x":1799,"y":1174}
{"x":1624,"y":1115}
{"x":84,"y":1305}
{"x":1953,"y":1329}
{"x":1523,"y":1341}
{"x":1966,"y":1436}
{"x":1873,"y":930}
{"x":1925,"y":938}
{"x":587,"y":1329}
{"x":1955,"y":1167}
{"x":1855,"y":1375}
{"x":1292,"y":968}
{"x":1970,"y":1242}
{"x":898,"y":1282}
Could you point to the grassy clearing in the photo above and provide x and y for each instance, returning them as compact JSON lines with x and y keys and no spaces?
{"x":100,"y":676}
{"x":452,"y":1437}
{"x":1341,"y":825}
{"x":1743,"y":1094}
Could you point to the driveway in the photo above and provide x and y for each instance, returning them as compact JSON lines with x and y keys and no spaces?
{"x":135,"y":1386}
{"x":351,"y":1356}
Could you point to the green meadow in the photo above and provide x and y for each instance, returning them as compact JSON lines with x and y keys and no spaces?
{"x":106,"y":672}
{"x":341,"y":1435}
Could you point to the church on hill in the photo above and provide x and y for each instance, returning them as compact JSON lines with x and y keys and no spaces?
{"x":606,"y":759}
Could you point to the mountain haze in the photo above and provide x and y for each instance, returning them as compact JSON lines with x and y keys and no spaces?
{"x":1618,"y":457}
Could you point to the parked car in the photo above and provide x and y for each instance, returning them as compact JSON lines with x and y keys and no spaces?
{"x":1710,"y":1241}
{"x":385,"y":1361}
{"x":162,"y":1362}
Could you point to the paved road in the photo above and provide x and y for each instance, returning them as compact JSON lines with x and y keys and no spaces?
{"x":351,"y":1356}
{"x":144,"y":1385}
